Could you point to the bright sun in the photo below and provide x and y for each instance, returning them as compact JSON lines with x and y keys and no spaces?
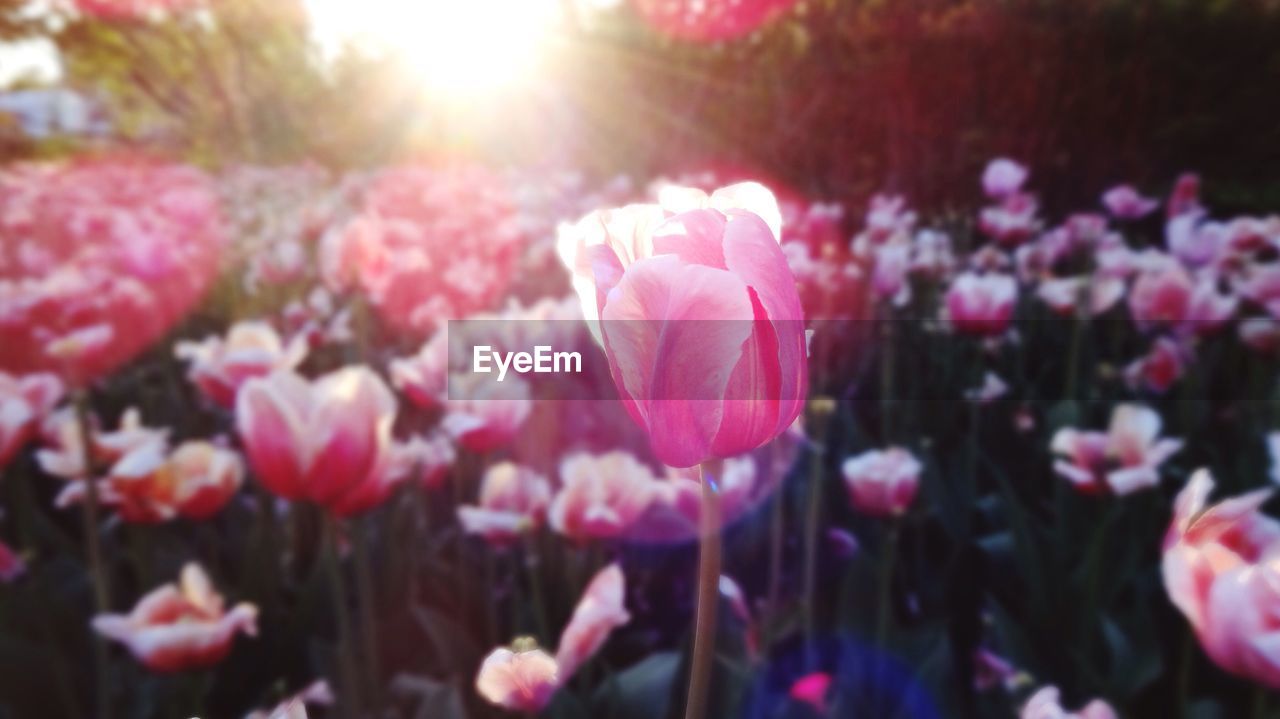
{"x":460,"y":48}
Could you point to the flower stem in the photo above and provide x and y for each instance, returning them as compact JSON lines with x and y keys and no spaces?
{"x":889,"y":552}
{"x":708,"y":594}
{"x":337,"y":588}
{"x":367,"y":600}
{"x":93,"y":548}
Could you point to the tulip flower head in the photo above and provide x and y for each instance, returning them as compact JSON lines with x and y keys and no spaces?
{"x":220,"y":366}
{"x":321,"y":441}
{"x":882,"y":483}
{"x":1046,"y":704}
{"x":699,"y":317}
{"x":1124,"y":459}
{"x":601,"y":496}
{"x":24,"y":402}
{"x":513,"y":499}
{"x":180,"y":626}
{"x":1221,"y":568}
{"x":523,"y":680}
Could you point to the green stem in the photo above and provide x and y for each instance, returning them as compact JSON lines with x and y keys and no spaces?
{"x":93,"y":548}
{"x":812,"y":518}
{"x":889,"y":552}
{"x":531,"y":562}
{"x":337,"y":589}
{"x":708,"y":594}
{"x":367,"y":600}
{"x":776,"y":530}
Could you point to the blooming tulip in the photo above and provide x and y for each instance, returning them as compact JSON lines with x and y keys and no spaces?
{"x":487,"y":415}
{"x":700,"y":305}
{"x":513,"y":499}
{"x":180,"y":626}
{"x":981,"y":304}
{"x":601,"y":496}
{"x":1161,"y":295}
{"x":321,"y":441}
{"x":65,"y":457}
{"x":1003,"y":177}
{"x":882,"y":483}
{"x":522,"y":681}
{"x":1125,"y":459}
{"x":1159,"y":368}
{"x":24,"y":402}
{"x":251,"y":349}
{"x":423,"y":378}
{"x":1125,"y":203}
{"x":1047,"y":704}
{"x":1011,"y":222}
{"x":149,"y":484}
{"x":1221,"y":569}
{"x":598,"y":613}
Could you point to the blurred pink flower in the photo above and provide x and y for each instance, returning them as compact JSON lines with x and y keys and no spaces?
{"x":601,"y":496}
{"x":1159,"y":369}
{"x":1125,"y":203}
{"x":889,"y":278}
{"x":521,"y":681}
{"x":1124,"y":459}
{"x":1161,"y":294}
{"x":64,"y":457}
{"x":1221,"y":568}
{"x":513,"y":500}
{"x":1185,"y":197}
{"x":700,"y":305}
{"x":1261,"y":334}
{"x":812,"y":689}
{"x":180,"y":627}
{"x":295,"y":707}
{"x":396,"y":465}
{"x":423,"y":378}
{"x":321,"y":441}
{"x":1012,"y":221}
{"x":218,"y":366}
{"x":123,"y":249}
{"x":709,"y":20}
{"x":486,"y":415}
{"x":991,"y":389}
{"x":600,"y":610}
{"x":1047,"y":704}
{"x":1063,"y":294}
{"x":1003,"y":177}
{"x":981,"y":304}
{"x":1261,"y":285}
{"x":11,"y":564}
{"x":24,"y":403}
{"x":149,"y":484}
{"x":991,"y":670}
{"x":882,"y":483}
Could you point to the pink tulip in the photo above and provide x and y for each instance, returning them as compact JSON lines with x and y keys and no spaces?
{"x":1221,"y":568}
{"x":1185,"y":198}
{"x":1011,"y":222}
{"x":1123,"y":460}
{"x":180,"y":626}
{"x":601,"y":496}
{"x":882,"y":483}
{"x":812,"y":689}
{"x":486,"y":415}
{"x":1063,"y":294}
{"x":320,"y":441}
{"x":1047,"y":704}
{"x":423,"y":378}
{"x":701,"y":322}
{"x":521,"y":681}
{"x":1159,"y":369}
{"x":981,"y":305}
{"x":1125,"y":203}
{"x":24,"y":402}
{"x":65,"y":457}
{"x":220,"y":366}
{"x":1261,"y":334}
{"x":513,"y":500}
{"x":598,"y":613}
{"x":1003,"y":177}
{"x":395,"y":466}
{"x":1161,"y":295}
{"x":149,"y":484}
{"x":11,"y":564}
{"x":1261,"y":285}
